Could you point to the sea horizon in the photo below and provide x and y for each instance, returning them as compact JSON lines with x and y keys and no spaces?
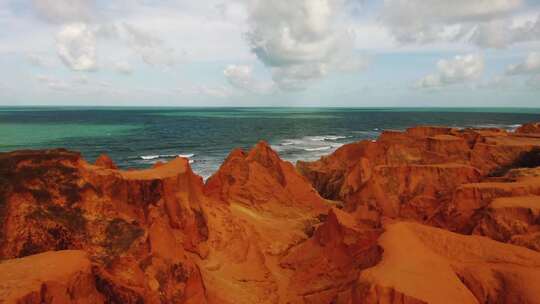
{"x":138,"y":137}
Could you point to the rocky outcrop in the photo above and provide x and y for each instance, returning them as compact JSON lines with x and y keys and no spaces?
{"x":533,"y":127}
{"x":106,"y":162}
{"x":140,"y":228}
{"x":512,"y":220}
{"x":262,"y":231}
{"x":50,"y":277}
{"x":421,"y":264}
{"x":259,"y":179}
{"x":409,"y":191}
{"x":423,"y":173}
{"x":473,"y":203}
{"x":326,"y":266}
{"x":264,"y":210}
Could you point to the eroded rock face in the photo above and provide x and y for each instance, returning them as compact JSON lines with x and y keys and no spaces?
{"x":421,"y":264}
{"x":50,"y":277}
{"x":425,"y":173}
{"x":512,"y":220}
{"x":263,"y":210}
{"x":139,"y":228}
{"x":259,"y":231}
{"x":259,"y":179}
{"x":326,"y":266}
{"x":106,"y":162}
{"x":533,"y":127}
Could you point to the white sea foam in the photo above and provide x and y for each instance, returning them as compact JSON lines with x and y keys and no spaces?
{"x":151,"y":157}
{"x":336,"y":137}
{"x":507,"y":127}
{"x":318,"y":148}
{"x":326,"y":137}
{"x":189,"y":155}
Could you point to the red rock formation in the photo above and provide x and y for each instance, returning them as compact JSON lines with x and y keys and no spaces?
{"x":411,"y":191}
{"x":421,"y":264}
{"x":513,"y":220}
{"x":327,"y":265}
{"x":263,"y":209}
{"x":51,"y":277}
{"x":259,"y":232}
{"x":533,"y":127}
{"x":140,"y":228}
{"x":106,"y":162}
{"x":414,"y":174}
{"x":261,"y":180}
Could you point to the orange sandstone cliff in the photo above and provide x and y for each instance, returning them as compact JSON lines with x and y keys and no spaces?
{"x":427,"y":215}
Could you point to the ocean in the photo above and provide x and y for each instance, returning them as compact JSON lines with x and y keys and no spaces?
{"x":140,"y":137}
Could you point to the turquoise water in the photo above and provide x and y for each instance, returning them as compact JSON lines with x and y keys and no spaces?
{"x":139,"y":137}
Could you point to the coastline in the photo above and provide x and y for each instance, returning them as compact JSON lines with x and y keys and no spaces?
{"x":354,"y":225}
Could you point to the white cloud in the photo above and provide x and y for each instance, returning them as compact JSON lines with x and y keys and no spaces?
{"x":300,"y":40}
{"x":486,"y":23}
{"x":298,"y":77}
{"x":76,"y":47}
{"x":460,"y":69}
{"x":147,"y":45}
{"x":151,"y":48}
{"x":63,"y":11}
{"x":531,"y":65}
{"x":501,"y":33}
{"x":241,"y":77}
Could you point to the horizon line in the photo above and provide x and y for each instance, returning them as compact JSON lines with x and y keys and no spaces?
{"x":282,"y":107}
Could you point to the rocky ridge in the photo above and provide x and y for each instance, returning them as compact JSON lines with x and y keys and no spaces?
{"x":428,"y":215}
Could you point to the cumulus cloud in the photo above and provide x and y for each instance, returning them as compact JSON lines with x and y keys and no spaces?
{"x":147,"y":45}
{"x":501,"y":33}
{"x":486,"y":23}
{"x":531,"y":65}
{"x":299,"y":40}
{"x":241,"y":77}
{"x":151,"y":49}
{"x":76,"y":47}
{"x":65,"y":11}
{"x":299,"y":77}
{"x":460,"y":69}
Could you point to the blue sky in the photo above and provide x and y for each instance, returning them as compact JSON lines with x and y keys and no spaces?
{"x":270,"y":53}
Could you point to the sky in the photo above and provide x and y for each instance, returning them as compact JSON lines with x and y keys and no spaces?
{"x":350,"y":53}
